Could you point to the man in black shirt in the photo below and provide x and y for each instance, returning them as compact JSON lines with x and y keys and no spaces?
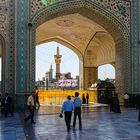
{"x":7,"y":105}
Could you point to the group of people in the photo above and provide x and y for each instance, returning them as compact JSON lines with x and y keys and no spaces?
{"x":129,"y":101}
{"x":67,"y":108}
{"x":132,"y":100}
{"x":85,"y":100}
{"x":7,"y":105}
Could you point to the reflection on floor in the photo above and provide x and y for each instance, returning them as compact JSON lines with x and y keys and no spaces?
{"x":98,"y":124}
{"x":55,"y":109}
{"x":11,"y":128}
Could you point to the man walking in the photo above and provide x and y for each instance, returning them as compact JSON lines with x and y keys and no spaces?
{"x":31,"y":107}
{"x":77,"y":110}
{"x":67,"y":108}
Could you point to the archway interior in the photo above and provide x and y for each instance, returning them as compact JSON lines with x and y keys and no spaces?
{"x":90,"y":41}
{"x":51,"y":90}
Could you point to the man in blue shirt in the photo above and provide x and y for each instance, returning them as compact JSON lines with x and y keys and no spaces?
{"x":77,"y":110}
{"x":67,"y":108}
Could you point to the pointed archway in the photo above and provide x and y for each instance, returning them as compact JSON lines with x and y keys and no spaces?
{"x":111,"y":24}
{"x":114,"y":23}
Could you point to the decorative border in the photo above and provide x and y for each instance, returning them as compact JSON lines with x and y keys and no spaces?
{"x":22,"y":26}
{"x":3,"y":24}
{"x":3,"y":2}
{"x":135,"y":48}
{"x":119,"y":8}
{"x":10,"y":49}
{"x":3,"y":17}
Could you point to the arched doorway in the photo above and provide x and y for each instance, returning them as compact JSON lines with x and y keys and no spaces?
{"x":46,"y":77}
{"x":107,"y":24}
{"x":71,"y":47}
{"x":106,"y":71}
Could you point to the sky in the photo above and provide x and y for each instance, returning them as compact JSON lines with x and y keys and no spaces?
{"x":69,"y":62}
{"x":106,"y":71}
{"x":45,"y":57}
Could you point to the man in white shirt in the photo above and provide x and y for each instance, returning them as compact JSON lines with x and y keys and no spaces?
{"x":126,"y":100}
{"x":31,"y":107}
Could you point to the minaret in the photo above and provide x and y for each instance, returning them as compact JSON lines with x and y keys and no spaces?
{"x":57,"y":61}
{"x":51,"y":69}
{"x":49,"y":77}
{"x":51,"y":73}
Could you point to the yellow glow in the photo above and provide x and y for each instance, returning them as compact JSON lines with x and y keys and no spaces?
{"x":57,"y":97}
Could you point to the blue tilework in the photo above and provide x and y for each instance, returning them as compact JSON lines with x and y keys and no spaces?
{"x":22,"y":27}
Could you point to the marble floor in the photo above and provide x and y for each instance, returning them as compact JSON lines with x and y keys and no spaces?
{"x":98,"y":124}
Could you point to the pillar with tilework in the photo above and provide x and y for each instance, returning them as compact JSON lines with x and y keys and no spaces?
{"x":22,"y":54}
{"x":135,"y":48}
{"x":90,"y":76}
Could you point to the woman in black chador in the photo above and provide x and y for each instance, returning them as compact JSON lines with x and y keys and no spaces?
{"x":87,"y":98}
{"x":111,"y":103}
{"x":83,"y":99}
{"x":139,"y":108}
{"x":116,"y":104}
{"x":37,"y":99}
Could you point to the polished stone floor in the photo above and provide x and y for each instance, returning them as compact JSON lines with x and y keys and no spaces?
{"x":98,"y":124}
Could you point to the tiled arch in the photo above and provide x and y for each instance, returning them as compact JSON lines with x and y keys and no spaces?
{"x":117,"y":29}
{"x":119,"y":8}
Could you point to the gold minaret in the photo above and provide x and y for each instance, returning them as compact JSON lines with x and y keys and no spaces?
{"x":57,"y":61}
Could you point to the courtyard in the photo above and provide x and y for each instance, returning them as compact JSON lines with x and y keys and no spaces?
{"x":98,"y":124}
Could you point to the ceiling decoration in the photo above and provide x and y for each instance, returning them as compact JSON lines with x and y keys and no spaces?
{"x":89,"y":38}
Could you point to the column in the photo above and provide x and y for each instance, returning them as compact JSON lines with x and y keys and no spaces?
{"x":21,"y":53}
{"x":121,"y":79}
{"x":90,"y":76}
